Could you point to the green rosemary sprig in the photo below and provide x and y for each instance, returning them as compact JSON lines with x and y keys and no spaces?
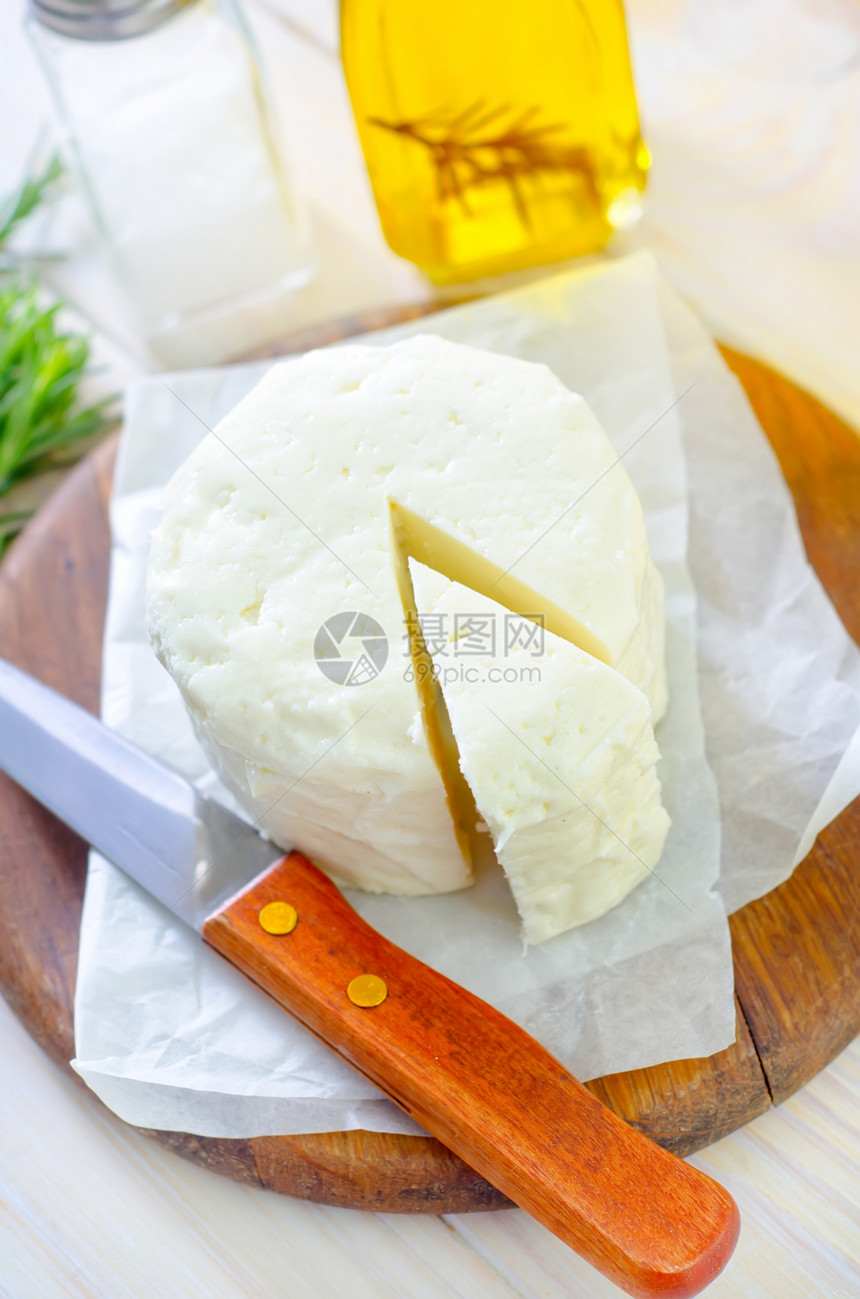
{"x":32,"y":192}
{"x":43,"y":422}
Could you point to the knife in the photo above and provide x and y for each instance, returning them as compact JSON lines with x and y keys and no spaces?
{"x":650,"y":1222}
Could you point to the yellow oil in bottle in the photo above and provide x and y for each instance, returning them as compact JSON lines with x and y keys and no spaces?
{"x":498,"y":134}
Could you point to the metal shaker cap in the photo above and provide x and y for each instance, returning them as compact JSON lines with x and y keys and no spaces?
{"x":104,"y":20}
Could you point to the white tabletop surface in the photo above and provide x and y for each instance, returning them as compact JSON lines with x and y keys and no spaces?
{"x":753,"y":115}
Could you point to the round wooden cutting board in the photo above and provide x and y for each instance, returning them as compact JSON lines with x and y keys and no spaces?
{"x":796,"y":951}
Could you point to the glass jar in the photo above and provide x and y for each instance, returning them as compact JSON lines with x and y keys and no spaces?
{"x":165,"y":120}
{"x":497,"y":134}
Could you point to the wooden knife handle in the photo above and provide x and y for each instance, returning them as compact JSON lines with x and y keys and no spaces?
{"x":478,"y":1082}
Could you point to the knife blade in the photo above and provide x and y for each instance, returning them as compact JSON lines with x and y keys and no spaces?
{"x":186,"y":850}
{"x":478,"y":1082}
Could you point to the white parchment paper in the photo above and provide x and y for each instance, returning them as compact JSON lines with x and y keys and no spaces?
{"x":170,"y":1037}
{"x":779,"y":675}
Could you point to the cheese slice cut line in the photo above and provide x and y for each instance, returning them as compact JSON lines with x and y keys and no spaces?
{"x":604,"y":825}
{"x":434,"y":710}
{"x":413,"y":537}
{"x":423,"y":541}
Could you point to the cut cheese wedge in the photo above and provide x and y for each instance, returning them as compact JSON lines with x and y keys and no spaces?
{"x":301,"y":508}
{"x":558,"y":750}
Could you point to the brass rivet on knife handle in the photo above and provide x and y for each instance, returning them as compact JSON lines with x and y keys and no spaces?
{"x":367,"y":990}
{"x":278,"y":918}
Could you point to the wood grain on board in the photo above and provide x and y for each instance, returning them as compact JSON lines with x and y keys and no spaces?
{"x":796,"y":951}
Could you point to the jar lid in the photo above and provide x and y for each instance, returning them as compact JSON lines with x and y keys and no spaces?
{"x":104,"y":20}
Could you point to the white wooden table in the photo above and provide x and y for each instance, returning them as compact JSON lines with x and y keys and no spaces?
{"x":753,"y":115}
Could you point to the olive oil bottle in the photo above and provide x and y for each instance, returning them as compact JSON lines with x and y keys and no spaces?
{"x":498,"y":134}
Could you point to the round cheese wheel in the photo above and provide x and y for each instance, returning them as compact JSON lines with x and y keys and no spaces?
{"x":279,"y":597}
